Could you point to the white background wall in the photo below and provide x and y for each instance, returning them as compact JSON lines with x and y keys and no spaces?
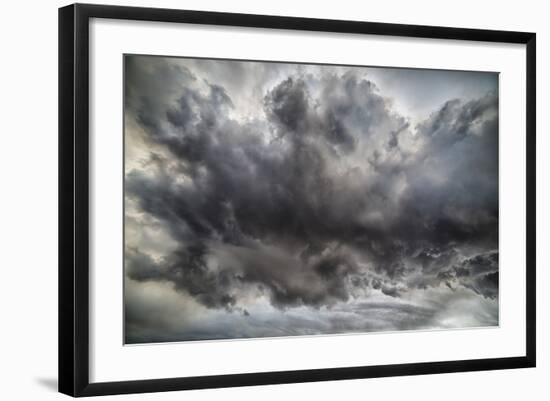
{"x":28,"y":199}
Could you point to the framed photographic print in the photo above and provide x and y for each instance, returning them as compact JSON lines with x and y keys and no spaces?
{"x":250,"y":199}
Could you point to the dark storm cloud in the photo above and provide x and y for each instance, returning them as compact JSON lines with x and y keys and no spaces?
{"x":187,"y":269}
{"x":326,"y":192}
{"x":480,"y":273}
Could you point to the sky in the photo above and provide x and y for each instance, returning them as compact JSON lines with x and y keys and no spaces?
{"x":275,"y":199}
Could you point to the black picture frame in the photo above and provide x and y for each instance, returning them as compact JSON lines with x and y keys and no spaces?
{"x":74,"y":193}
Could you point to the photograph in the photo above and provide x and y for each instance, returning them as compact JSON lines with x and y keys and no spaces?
{"x":277,"y":199}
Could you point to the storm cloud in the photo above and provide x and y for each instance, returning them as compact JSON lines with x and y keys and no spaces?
{"x":301,"y":201}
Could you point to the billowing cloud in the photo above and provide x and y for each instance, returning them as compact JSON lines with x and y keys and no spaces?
{"x":302,"y":192}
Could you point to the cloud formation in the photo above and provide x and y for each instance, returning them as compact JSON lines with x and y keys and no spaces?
{"x":304,"y":202}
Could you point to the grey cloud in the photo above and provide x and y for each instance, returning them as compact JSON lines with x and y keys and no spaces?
{"x":480,"y":273}
{"x":325,"y":192}
{"x":152,"y":321}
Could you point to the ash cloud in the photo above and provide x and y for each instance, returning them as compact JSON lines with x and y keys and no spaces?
{"x":324,"y":196}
